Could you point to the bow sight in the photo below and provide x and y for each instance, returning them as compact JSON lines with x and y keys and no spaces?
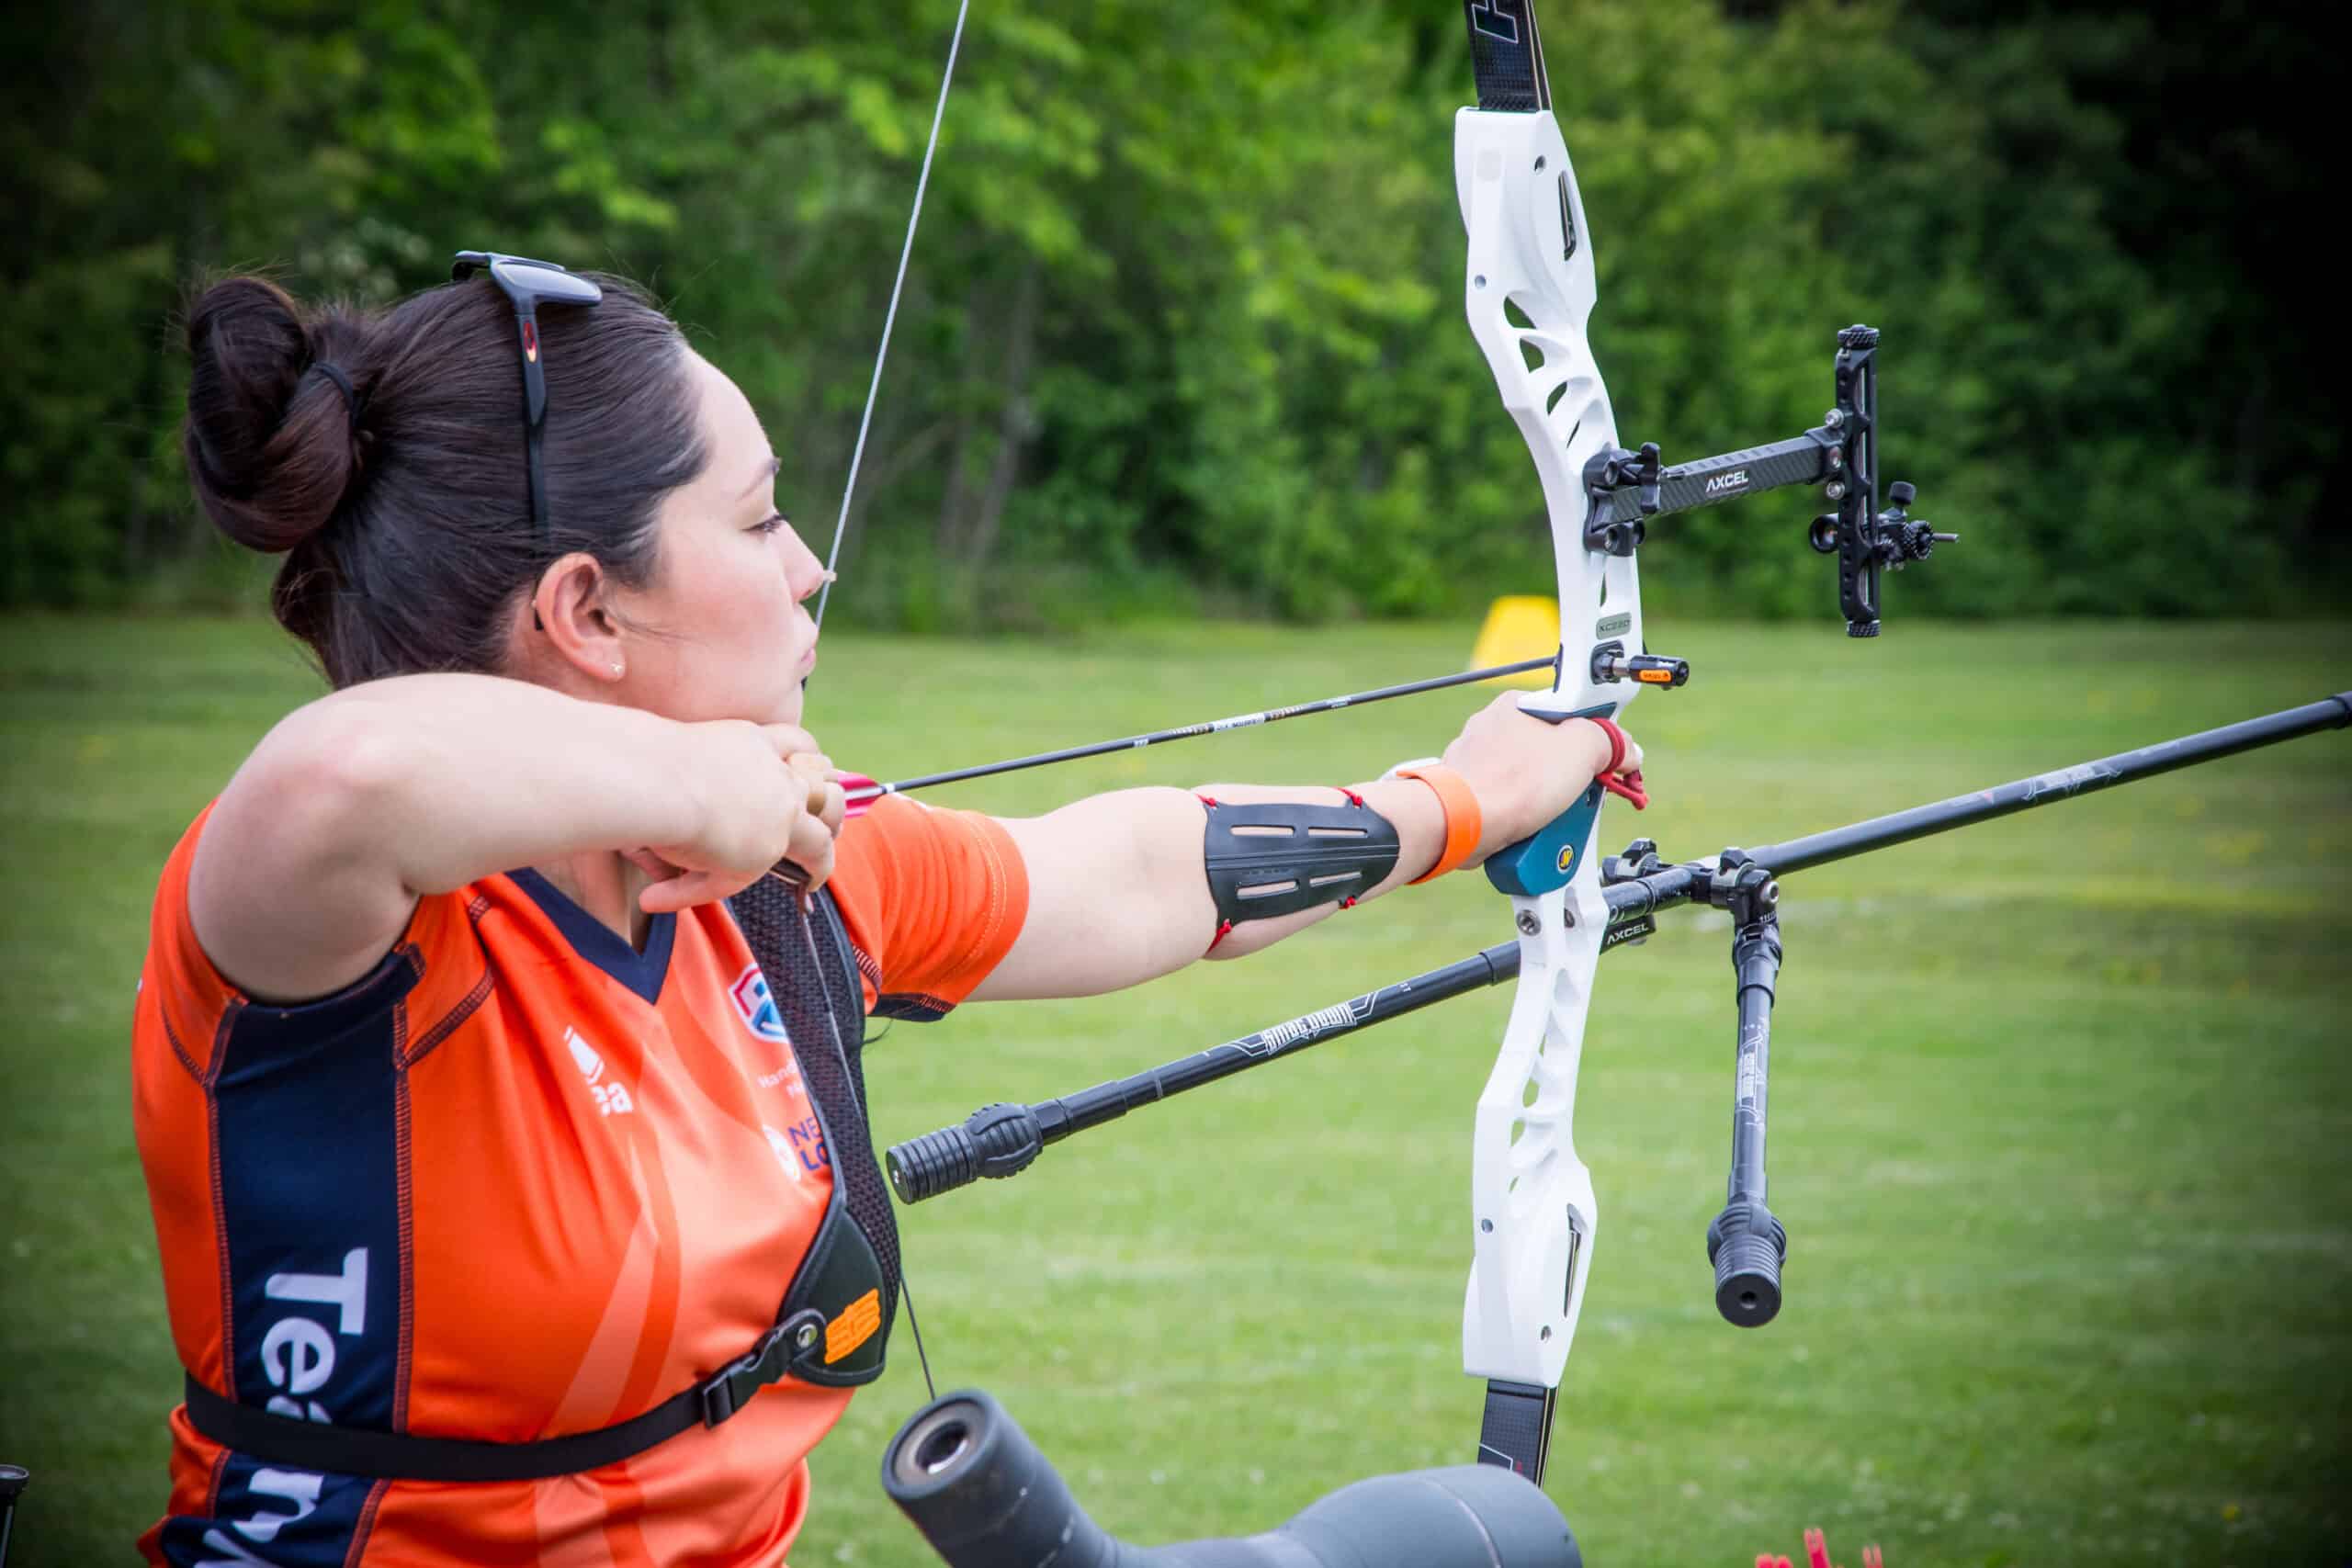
{"x":1840,"y":454}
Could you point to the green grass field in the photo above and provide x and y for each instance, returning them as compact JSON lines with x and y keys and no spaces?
{"x":2060,"y":1121}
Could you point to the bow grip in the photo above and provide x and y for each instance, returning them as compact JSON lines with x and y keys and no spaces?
{"x":1548,"y":860}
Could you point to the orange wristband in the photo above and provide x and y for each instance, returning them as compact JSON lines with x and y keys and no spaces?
{"x":1463,"y":821}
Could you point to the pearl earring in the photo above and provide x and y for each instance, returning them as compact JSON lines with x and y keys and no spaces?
{"x":616,"y":670}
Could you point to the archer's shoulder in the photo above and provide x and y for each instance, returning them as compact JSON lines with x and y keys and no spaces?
{"x":186,"y":994}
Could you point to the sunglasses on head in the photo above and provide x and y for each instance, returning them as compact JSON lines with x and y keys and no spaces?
{"x":528,"y":285}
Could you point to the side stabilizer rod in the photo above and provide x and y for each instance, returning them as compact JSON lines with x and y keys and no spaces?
{"x":1674,"y":885}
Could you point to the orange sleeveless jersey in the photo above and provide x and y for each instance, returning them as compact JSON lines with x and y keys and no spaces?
{"x":521,"y":1182}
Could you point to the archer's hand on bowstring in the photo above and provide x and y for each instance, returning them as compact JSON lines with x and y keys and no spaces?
{"x":1526,"y":771}
{"x":767,"y":798}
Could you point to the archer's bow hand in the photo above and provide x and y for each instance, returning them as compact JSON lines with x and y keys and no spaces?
{"x":1526,"y":771}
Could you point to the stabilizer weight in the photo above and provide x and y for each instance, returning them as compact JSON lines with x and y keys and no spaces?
{"x":995,"y":1141}
{"x":1747,"y":1246}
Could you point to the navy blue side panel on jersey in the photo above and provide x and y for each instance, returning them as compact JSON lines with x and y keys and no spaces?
{"x":310,"y":1202}
{"x":280,"y":1518}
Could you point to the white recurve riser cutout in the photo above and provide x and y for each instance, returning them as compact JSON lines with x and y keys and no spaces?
{"x":1507,"y":173}
{"x":1533,"y":1209}
{"x":1533,"y":1214}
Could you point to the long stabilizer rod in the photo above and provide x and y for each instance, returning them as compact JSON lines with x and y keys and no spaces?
{"x":1673,"y":885}
{"x":2164,"y":757}
{"x":862,"y":793}
{"x":1001,"y":1140}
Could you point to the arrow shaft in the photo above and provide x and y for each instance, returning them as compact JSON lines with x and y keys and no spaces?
{"x":864,"y":794}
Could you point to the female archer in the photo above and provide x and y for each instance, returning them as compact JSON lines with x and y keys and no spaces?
{"x":488,"y":1112}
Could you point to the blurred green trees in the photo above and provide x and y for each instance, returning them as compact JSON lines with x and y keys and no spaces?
{"x":1182,"y":329}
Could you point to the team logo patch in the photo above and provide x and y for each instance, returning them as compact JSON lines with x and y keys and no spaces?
{"x":757,"y":1006}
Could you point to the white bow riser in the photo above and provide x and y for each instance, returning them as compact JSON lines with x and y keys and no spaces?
{"x":1530,"y":285}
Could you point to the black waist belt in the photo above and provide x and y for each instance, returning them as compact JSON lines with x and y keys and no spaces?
{"x":406,"y":1456}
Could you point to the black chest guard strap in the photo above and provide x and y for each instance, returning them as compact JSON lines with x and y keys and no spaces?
{"x":835,"y":1320}
{"x":850,"y":1276}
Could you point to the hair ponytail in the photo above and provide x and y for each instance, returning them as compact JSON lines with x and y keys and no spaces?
{"x":272,"y":447}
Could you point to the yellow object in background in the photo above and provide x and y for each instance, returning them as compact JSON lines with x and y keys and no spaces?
{"x":1518,"y":627}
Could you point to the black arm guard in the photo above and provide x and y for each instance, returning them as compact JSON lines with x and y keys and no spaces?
{"x":1281,"y":857}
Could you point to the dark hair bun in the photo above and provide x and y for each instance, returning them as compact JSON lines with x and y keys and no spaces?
{"x":271,"y":444}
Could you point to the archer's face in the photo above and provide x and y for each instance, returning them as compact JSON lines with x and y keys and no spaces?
{"x":732,"y":639}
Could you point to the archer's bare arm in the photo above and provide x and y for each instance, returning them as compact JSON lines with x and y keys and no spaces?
{"x":1117,"y":891}
{"x":358,"y":804}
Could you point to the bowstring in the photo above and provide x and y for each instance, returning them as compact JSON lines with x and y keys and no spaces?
{"x":849,"y":490}
{"x":890,"y":318}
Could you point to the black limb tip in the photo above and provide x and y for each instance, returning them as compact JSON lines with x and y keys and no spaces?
{"x":1747,"y":1246}
{"x":995,"y":1141}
